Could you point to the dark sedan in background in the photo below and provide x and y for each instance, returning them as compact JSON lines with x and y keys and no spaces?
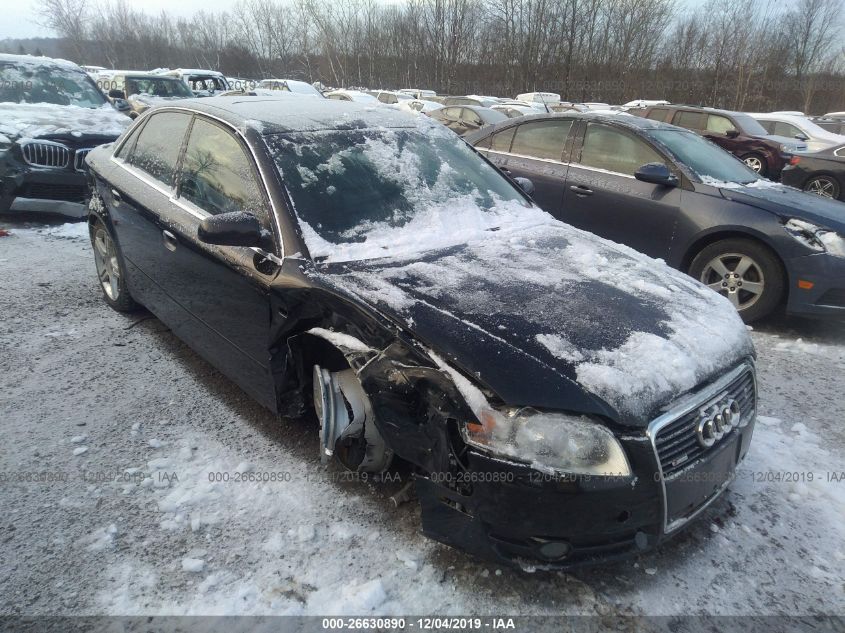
{"x":672,"y":194}
{"x":374,"y":268}
{"x":736,"y":132}
{"x":821,"y":173}
{"x":465,"y":119}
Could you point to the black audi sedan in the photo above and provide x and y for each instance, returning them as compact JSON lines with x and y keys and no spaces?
{"x":559,"y":398}
{"x":670,"y":193}
{"x":821,"y":173}
{"x":51,"y":115}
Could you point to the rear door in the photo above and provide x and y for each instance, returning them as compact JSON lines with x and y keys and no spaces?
{"x":603,"y":197}
{"x":139,"y":194}
{"x":537,"y":150}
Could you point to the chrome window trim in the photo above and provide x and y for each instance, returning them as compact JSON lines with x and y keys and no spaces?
{"x":261,"y":171}
{"x":599,"y":170}
{"x":688,"y":404}
{"x":840,"y":153}
{"x":544,"y":160}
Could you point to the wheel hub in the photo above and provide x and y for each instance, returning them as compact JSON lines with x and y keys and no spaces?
{"x":735,"y":276}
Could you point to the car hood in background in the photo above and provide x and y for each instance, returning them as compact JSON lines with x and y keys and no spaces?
{"x":788,"y":202}
{"x":554,"y":317}
{"x":23,"y":120}
{"x":792,"y":143}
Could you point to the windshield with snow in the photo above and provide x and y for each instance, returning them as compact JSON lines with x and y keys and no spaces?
{"x":47,"y":83}
{"x":707,"y":160}
{"x":361,"y":194}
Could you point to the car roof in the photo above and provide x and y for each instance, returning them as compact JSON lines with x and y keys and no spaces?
{"x":289,"y":112}
{"x":624,"y":120}
{"x":39,"y":61}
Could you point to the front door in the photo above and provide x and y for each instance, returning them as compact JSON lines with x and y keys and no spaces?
{"x":603,"y":197}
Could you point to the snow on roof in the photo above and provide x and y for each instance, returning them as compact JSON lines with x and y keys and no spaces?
{"x":39,"y":61}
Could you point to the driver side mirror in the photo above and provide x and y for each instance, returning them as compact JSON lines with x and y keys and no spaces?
{"x":232,"y":229}
{"x":802,"y":137}
{"x":732,"y":133}
{"x":115,"y":93}
{"x":525,"y":184}
{"x":657,"y":174}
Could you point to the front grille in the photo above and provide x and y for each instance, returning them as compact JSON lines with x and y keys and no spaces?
{"x":677,"y":443}
{"x":79,"y":159}
{"x":50,"y":191}
{"x":46,"y":154}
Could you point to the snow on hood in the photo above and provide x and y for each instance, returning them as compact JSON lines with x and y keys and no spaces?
{"x":23,"y":120}
{"x":548,"y":303}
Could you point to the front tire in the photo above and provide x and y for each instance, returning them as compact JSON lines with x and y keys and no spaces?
{"x":111,"y":272}
{"x":824,"y":186}
{"x":744,"y":271}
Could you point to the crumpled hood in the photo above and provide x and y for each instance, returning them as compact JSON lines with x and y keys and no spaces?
{"x":25,"y":120}
{"x":551,"y":316}
{"x":788,"y":203}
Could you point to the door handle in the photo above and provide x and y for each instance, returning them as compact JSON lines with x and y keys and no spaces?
{"x":581,"y":190}
{"x":170,"y":241}
{"x":116,"y":197}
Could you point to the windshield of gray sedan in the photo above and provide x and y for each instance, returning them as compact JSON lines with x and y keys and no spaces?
{"x":370,"y":190}
{"x":47,"y":83}
{"x":707,"y":160}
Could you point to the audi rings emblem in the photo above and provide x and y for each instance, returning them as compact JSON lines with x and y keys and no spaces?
{"x":717,"y":421}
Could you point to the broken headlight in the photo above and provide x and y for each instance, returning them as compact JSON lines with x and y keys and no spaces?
{"x":816,"y":237}
{"x":549,"y":442}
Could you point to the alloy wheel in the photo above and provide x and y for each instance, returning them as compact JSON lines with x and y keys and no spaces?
{"x":737,"y":277}
{"x":822,"y":186}
{"x":108,"y":268}
{"x":754,"y":163}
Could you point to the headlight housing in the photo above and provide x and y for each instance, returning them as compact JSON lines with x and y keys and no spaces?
{"x":5,"y":143}
{"x":550,"y":442}
{"x":816,"y":237}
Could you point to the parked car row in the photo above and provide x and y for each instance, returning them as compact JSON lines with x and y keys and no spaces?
{"x":388,"y":280}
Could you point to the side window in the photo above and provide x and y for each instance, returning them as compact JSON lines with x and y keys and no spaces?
{"x":786,"y":129}
{"x":613,"y":150}
{"x":542,"y":139}
{"x":657,"y":114}
{"x":126,"y":148}
{"x":485,"y":142}
{"x":453,"y":114}
{"x":470,"y":116}
{"x":502,"y":140}
{"x":689,"y":120}
{"x":719,"y":124}
{"x":158,"y":146}
{"x":769,"y":126}
{"x":217,"y":174}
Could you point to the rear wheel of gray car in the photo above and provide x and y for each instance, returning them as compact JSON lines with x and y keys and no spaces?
{"x":825,"y":186}
{"x":744,"y":271}
{"x":110,"y":271}
{"x":755,"y":162}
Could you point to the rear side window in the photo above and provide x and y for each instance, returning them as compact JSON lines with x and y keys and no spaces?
{"x":471,"y":116}
{"x":784,"y":129}
{"x":719,"y":124}
{"x":502,"y":140}
{"x":657,"y":114}
{"x":158,"y":146}
{"x":689,"y":120}
{"x":217,"y":174}
{"x":616,"y":151}
{"x":541,"y":139}
{"x":127,"y":146}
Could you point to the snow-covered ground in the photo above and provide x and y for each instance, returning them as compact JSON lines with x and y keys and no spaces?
{"x":128,"y":435}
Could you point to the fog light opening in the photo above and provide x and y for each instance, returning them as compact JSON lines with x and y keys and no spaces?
{"x":554,"y":550}
{"x":623,"y":516}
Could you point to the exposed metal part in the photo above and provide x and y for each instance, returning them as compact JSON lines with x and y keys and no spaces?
{"x":108,"y":268}
{"x":737,"y":277}
{"x":347,"y":426}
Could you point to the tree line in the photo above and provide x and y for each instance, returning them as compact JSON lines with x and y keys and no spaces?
{"x":736,"y":54}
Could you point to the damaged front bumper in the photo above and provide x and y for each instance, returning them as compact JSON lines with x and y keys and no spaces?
{"x":512,"y":514}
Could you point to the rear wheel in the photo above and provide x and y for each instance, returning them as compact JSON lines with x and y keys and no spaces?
{"x":110,"y":271}
{"x":755,"y":162}
{"x":824,"y":185}
{"x":744,"y":271}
